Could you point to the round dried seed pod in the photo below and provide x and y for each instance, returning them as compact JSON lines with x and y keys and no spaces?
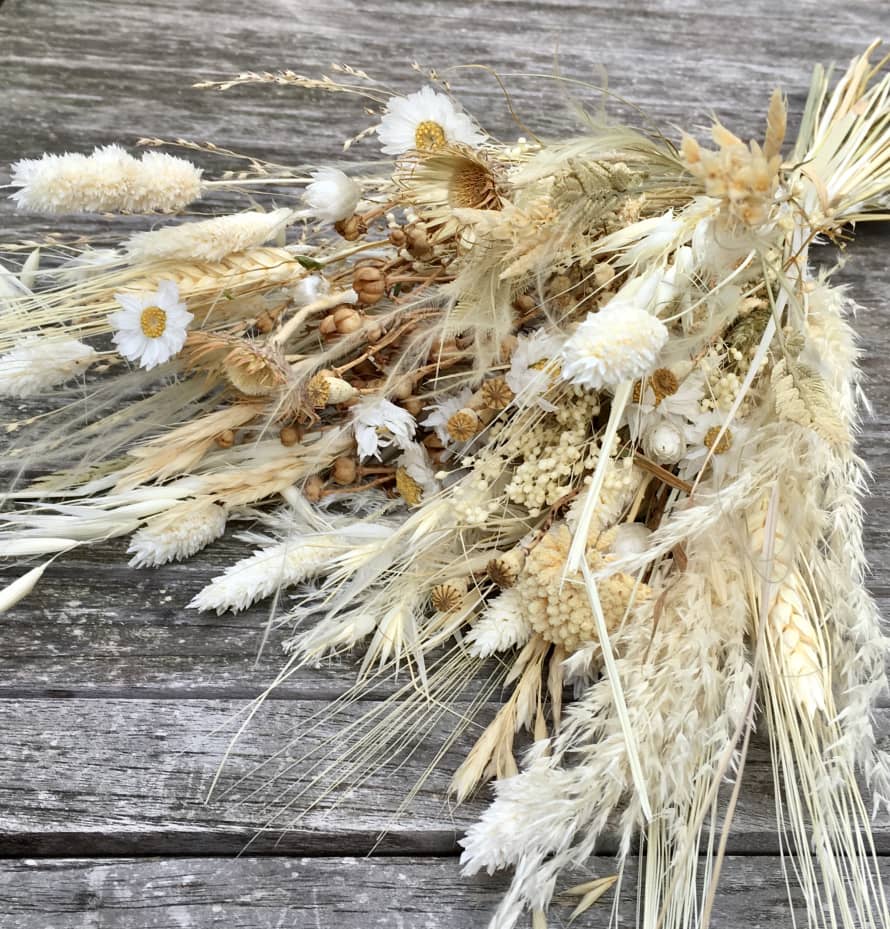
{"x":326,"y":389}
{"x":289,"y":435}
{"x":226,"y":439}
{"x":448,"y":597}
{"x":370,"y":284}
{"x":352,"y":228}
{"x":347,"y":319}
{"x":463,"y":425}
{"x":344,"y":470}
{"x":313,"y":489}
{"x":496,"y":394}
{"x":504,"y":570}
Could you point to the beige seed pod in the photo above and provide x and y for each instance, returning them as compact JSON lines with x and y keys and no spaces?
{"x":369,"y":283}
{"x":504,"y":570}
{"x":347,"y":319}
{"x":325,"y":389}
{"x":344,"y":470}
{"x":448,"y":597}
{"x":226,"y":439}
{"x":414,"y":405}
{"x":496,"y":394}
{"x":289,"y":435}
{"x":352,"y":228}
{"x":418,"y":244}
{"x":524,"y":304}
{"x":313,"y":489}
{"x":397,"y":237}
{"x":408,"y":488}
{"x":463,"y":425}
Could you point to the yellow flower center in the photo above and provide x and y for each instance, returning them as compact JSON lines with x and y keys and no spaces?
{"x":725,"y":443}
{"x":429,"y":136}
{"x":153,"y":321}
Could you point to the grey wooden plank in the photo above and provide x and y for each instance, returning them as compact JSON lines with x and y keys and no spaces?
{"x":346,"y":893}
{"x":128,"y":777}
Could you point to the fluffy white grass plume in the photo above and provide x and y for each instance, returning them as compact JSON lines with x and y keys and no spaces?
{"x":332,"y":196}
{"x":177,"y":534}
{"x":620,"y":343}
{"x":502,"y":625}
{"x":41,"y":362}
{"x":108,"y":181}
{"x":208,"y":239}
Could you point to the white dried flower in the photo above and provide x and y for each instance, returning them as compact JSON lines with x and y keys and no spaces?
{"x":309,"y":289}
{"x":151,"y":327}
{"x":441,"y":412}
{"x":110,"y":180}
{"x":209,"y":239}
{"x":332,"y":196}
{"x":664,"y":442}
{"x":502,"y":625}
{"x":425,"y":121}
{"x":527,"y":377}
{"x":630,"y":539}
{"x":379,"y":423}
{"x":38,"y":363}
{"x":415,"y":460}
{"x":619,"y":343}
{"x":265,"y":571}
{"x":178,"y":534}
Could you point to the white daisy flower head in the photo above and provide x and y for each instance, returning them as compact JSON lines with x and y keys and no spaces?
{"x":332,"y":195}
{"x":425,"y":121}
{"x":150,"y":327}
{"x":530,"y":376}
{"x":441,"y":412}
{"x":619,"y":343}
{"x":378,"y":423}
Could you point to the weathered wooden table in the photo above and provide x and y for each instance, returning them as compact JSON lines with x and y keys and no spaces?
{"x":117,"y":703}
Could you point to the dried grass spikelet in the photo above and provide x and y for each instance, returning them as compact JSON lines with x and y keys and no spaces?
{"x":448,"y":597}
{"x":800,"y":397}
{"x":325,"y":389}
{"x":409,"y":489}
{"x":463,"y":425}
{"x":560,"y":612}
{"x":496,"y":394}
{"x":504,"y":570}
{"x":438,"y":183}
{"x":796,"y":643}
{"x":202,"y":283}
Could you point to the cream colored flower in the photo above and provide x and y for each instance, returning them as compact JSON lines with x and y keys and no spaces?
{"x":619,"y":343}
{"x":378,"y":424}
{"x":332,"y":196}
{"x":151,"y":327}
{"x":425,"y":121}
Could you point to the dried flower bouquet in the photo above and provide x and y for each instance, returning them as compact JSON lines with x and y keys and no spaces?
{"x":582,"y":406}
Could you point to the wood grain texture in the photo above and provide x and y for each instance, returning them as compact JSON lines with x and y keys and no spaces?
{"x":333,"y":893}
{"x":117,"y":701}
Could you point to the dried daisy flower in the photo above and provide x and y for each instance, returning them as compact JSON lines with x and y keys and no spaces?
{"x":438,"y":183}
{"x":208,"y":239}
{"x":150,"y":327}
{"x":620,"y":343}
{"x":425,"y":121}
{"x":108,"y":181}
{"x":177,"y":534}
{"x":40,"y":362}
{"x":332,"y":195}
{"x":378,"y":423}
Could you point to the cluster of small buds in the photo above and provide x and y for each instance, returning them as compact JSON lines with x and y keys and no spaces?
{"x":412,"y":239}
{"x":554,"y":452}
{"x":473,"y":502}
{"x":342,"y":320}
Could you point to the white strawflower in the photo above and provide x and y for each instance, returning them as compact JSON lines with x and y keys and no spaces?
{"x":176,"y":535}
{"x":665,"y":442}
{"x":108,"y":181}
{"x":619,"y":343}
{"x":333,"y":196}
{"x":265,"y":571}
{"x":151,"y":327}
{"x":379,"y":423}
{"x":630,"y":539}
{"x":208,"y":239}
{"x":502,"y":625}
{"x":425,"y":121}
{"x":39,"y":363}
{"x":441,"y":412}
